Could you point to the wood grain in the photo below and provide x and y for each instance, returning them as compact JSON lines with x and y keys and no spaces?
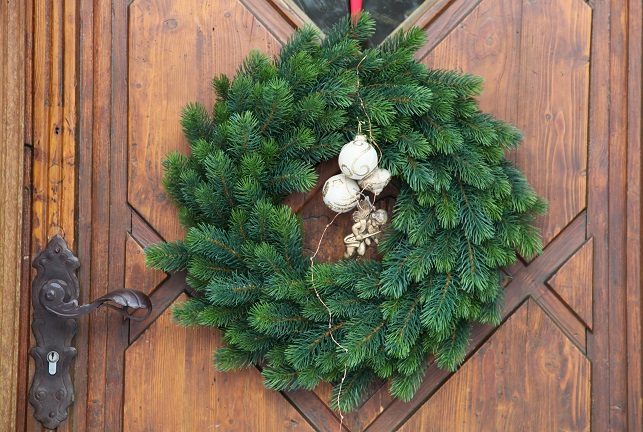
{"x":486,"y":43}
{"x":553,"y":106}
{"x":617,"y":225}
{"x":172,"y":386}
{"x":174,"y":51}
{"x":137,"y":275}
{"x":528,"y":376}
{"x":84,"y":60}
{"x":573,"y":282}
{"x":634,"y":258}
{"x":534,"y":57}
{"x":12,"y":106}
{"x":52,"y":129}
{"x":54,"y":122}
{"x":24,"y":331}
{"x":598,"y":213}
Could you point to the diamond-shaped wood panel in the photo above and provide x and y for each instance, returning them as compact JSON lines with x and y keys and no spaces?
{"x":534,"y":56}
{"x":174,"y":51}
{"x":573,"y":282}
{"x":137,"y":275}
{"x":528,"y":376}
{"x":172,"y":385}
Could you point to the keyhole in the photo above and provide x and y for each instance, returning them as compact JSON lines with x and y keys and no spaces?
{"x":52,"y":359}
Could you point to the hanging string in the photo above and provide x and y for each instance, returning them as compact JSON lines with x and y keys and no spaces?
{"x":312,"y":258}
{"x":330,"y":320}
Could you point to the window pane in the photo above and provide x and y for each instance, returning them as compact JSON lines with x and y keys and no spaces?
{"x":387,"y":13}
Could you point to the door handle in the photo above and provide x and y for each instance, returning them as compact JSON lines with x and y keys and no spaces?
{"x":55,"y":291}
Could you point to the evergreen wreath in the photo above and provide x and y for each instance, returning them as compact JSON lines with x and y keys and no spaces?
{"x":463,"y":212}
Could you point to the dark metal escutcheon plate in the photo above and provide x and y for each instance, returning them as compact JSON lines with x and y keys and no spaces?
{"x":55,"y":292}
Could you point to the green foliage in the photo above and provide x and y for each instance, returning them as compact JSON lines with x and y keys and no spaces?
{"x":463,"y":212}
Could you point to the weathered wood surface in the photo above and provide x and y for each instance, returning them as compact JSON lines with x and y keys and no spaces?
{"x":113,"y":77}
{"x":12,"y":106}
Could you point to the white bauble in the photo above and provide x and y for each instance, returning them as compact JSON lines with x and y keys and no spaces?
{"x":340,"y":193}
{"x":376,"y":181}
{"x":358,"y":158}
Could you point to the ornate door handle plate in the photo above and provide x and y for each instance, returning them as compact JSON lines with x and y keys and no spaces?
{"x":55,"y":292}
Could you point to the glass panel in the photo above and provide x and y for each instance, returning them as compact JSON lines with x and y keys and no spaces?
{"x":387,"y":13}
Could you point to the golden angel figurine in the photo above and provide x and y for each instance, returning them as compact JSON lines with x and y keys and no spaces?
{"x":368,"y":224}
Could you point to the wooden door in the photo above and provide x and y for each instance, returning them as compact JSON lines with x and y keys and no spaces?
{"x":107,"y":82}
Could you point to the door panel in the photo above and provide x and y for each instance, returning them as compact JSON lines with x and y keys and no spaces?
{"x":535,"y":59}
{"x":172,"y":386}
{"x":175,"y":49}
{"x":528,"y":366}
{"x":548,"y":70}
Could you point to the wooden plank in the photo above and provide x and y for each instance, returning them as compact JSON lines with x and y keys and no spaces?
{"x":12,"y":105}
{"x":25,"y":303}
{"x":54,"y":113}
{"x":528,"y":376}
{"x":171,"y":383}
{"x":573,"y":282}
{"x":597,"y":211}
{"x":633,"y":283}
{"x":85,"y":204}
{"x":617,"y":202}
{"x":100,"y":202}
{"x":119,"y":214}
{"x":553,"y":106}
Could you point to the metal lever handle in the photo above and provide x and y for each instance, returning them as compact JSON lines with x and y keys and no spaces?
{"x":55,"y":292}
{"x":52,"y":297}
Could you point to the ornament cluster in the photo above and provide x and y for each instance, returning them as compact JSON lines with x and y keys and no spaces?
{"x":358,"y":162}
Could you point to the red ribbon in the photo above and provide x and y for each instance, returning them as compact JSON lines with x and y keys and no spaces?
{"x":355,"y":6}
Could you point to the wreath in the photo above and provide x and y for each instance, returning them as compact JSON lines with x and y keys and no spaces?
{"x":462,"y":214}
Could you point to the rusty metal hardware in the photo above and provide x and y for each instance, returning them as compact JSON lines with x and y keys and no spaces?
{"x":55,"y":292}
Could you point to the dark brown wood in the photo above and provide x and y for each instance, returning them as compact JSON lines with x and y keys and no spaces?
{"x":597,"y":212}
{"x":97,"y":188}
{"x":573,"y":282}
{"x":81,"y":414}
